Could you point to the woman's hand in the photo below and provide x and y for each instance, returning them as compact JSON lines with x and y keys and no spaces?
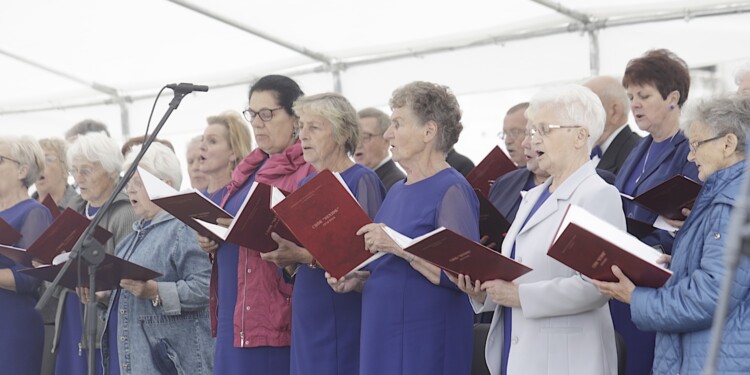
{"x":354,"y":281}
{"x":502,"y":292}
{"x":486,"y":239}
{"x":141,"y":289}
{"x":665,"y":260}
{"x":287,"y":254}
{"x":376,"y":240}
{"x":207,"y":245}
{"x":679,"y":223}
{"x":83,"y":295}
{"x":473,"y":290}
{"x":621,"y":290}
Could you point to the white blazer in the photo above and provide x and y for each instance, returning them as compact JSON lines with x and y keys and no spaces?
{"x":563,"y":325}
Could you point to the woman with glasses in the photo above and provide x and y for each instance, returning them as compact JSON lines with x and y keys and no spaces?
{"x":657,"y":84}
{"x":681,"y":312}
{"x":252,"y":321}
{"x":414,"y":319}
{"x":551,"y":320}
{"x":54,"y":178}
{"x":226,"y":141}
{"x":159,"y":326}
{"x":95,"y":162}
{"x":21,"y":327}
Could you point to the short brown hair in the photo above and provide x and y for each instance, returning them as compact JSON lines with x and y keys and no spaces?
{"x":661,"y":68}
{"x":139,"y":140}
{"x":432,"y":102}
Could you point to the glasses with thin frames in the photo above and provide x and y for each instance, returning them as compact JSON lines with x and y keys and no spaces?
{"x":266,"y":114}
{"x":694,"y":145}
{"x":511,"y":134}
{"x":368,"y":136}
{"x":83,"y":172}
{"x":4,"y":158}
{"x":545,"y":129}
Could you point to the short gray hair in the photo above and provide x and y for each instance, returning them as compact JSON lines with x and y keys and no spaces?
{"x":575,"y":105}
{"x":743,"y":70}
{"x":338,"y":111}
{"x":27,"y":152}
{"x":160,"y":161}
{"x":723,"y":115}
{"x":97,"y":147}
{"x":384,"y":121}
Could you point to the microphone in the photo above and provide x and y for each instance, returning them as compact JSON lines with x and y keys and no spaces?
{"x":186,"y":87}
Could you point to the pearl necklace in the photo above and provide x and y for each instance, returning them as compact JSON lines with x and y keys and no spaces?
{"x":86,"y":211}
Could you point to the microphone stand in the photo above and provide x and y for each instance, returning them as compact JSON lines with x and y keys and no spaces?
{"x":91,"y":252}
{"x":738,"y":244}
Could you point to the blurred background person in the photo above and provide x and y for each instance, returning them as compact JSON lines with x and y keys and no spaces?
{"x":742,"y":79}
{"x":372,"y":150}
{"x":54,"y":179}
{"x":657,"y":85}
{"x":551,"y":307}
{"x":414,"y":319}
{"x":95,"y":163}
{"x":160,"y":326}
{"x":22,"y":338}
{"x":252,"y":321}
{"x":459,"y":162}
{"x":225,"y":142}
{"x":198,"y":179}
{"x":53,"y":182}
{"x":325,"y":338}
{"x":135,"y":141}
{"x":617,"y":140}
{"x":514,"y":127}
{"x":84,"y":127}
{"x":682,"y":311}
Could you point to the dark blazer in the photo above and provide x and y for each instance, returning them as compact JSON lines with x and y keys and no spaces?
{"x":505,"y":193}
{"x":624,"y":142}
{"x":459,"y":162}
{"x":389,"y":173}
{"x":671,"y":163}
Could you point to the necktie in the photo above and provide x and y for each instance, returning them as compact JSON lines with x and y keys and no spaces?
{"x":596,"y":151}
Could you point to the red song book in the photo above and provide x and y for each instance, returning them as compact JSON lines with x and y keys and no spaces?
{"x":186,"y":206}
{"x":669,"y":197}
{"x":591,"y":246}
{"x":58,"y":238}
{"x":255,"y":221}
{"x":457,"y":254}
{"x":8,"y":234}
{"x":494,"y":165}
{"x":51,"y":206}
{"x":324,"y":215}
{"x":491,"y":222}
{"x":108,"y":275}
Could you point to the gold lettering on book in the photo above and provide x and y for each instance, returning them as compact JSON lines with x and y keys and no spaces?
{"x":327,"y":219}
{"x":600,"y":261}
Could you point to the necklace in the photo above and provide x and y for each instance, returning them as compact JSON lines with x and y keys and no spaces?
{"x":645,"y":160}
{"x":86,"y":211}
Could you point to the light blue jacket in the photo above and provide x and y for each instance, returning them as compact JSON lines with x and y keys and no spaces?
{"x":181,"y":323}
{"x":683,"y":309}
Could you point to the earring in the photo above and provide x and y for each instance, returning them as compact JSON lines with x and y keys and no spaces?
{"x":671,"y":107}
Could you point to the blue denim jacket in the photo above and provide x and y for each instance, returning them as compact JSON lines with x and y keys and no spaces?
{"x":169,"y":247}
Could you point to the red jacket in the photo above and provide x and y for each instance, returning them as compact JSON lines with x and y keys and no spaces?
{"x":263,"y":312}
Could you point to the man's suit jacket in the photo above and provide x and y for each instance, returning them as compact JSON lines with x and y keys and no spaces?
{"x":389,"y":173}
{"x":563,"y":325}
{"x":459,"y":162}
{"x":618,"y":150}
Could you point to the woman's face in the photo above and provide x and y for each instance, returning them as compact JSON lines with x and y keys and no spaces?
{"x":198,"y":179}
{"x":54,"y":174}
{"x":553,"y":148}
{"x":318,"y":144}
{"x":95,"y":183}
{"x":10,"y":170}
{"x":275,"y":135}
{"x":406,"y":136}
{"x":142,"y":205}
{"x":708,"y":151}
{"x":216,"y":155}
{"x":649,"y":108}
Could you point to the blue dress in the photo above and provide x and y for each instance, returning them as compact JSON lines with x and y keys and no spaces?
{"x":21,"y":326}
{"x":227,"y":358}
{"x":326,"y":324}
{"x":409,"y":325}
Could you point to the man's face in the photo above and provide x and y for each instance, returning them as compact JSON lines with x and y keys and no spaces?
{"x":372,"y":148}
{"x":514,"y":126}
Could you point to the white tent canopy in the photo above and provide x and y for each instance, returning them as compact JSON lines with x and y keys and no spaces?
{"x":65,"y":61}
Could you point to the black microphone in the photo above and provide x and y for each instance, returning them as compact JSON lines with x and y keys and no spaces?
{"x":186,"y":87}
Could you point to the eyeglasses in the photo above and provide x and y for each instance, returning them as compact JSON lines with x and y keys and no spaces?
{"x":49,"y":158}
{"x":544,"y":129}
{"x":694,"y":145}
{"x":83,"y":172}
{"x":265,"y":114}
{"x":511,"y":134}
{"x":367,"y":136}
{"x":4,"y":158}
{"x":134,"y":183}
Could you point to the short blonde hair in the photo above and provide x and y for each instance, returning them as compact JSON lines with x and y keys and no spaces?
{"x":238,"y":133}
{"x":27,"y":152}
{"x":58,"y":147}
{"x":338,"y":111}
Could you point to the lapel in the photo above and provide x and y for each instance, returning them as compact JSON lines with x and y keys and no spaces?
{"x":609,"y":158}
{"x":676,"y":139}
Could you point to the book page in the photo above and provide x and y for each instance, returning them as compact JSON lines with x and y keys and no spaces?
{"x":216,"y":229}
